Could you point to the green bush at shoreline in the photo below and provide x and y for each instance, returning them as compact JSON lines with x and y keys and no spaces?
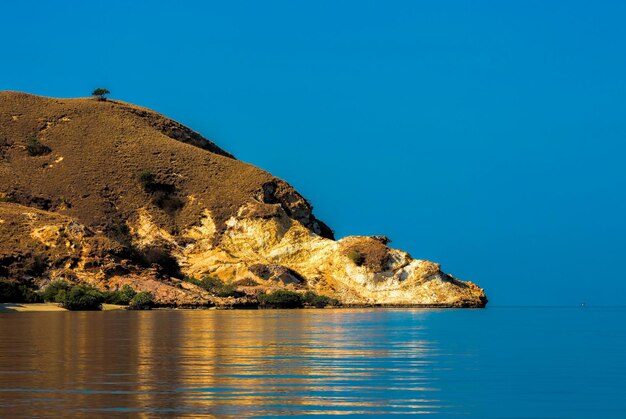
{"x":10,"y":292}
{"x":49,"y":293}
{"x":280,"y":299}
{"x":320,"y":301}
{"x":291,"y":299}
{"x":142,"y":301}
{"x":84,"y":297}
{"x":122,"y":297}
{"x":80,"y":297}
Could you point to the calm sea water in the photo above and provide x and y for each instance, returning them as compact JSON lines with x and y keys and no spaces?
{"x":496,"y":362}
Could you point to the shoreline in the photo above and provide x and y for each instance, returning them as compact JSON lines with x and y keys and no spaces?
{"x":46,"y":307}
{"x":54,"y":307}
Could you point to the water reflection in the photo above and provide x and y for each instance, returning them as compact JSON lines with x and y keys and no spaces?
{"x":223,"y":363}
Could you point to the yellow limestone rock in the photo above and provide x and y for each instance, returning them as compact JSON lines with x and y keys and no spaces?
{"x":264,"y":235}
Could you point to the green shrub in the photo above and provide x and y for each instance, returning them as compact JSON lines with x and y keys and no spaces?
{"x":211,"y":283}
{"x":64,"y":201}
{"x":123,"y":296}
{"x":320,"y":301}
{"x":29,"y":296}
{"x":308,"y":297}
{"x":229,"y":290}
{"x":146,"y":178}
{"x":80,"y":297}
{"x":50,"y":292}
{"x":356,"y":257}
{"x":280,"y":299}
{"x":142,"y":301}
{"x":35,"y":147}
{"x":9,"y":292}
{"x":100,"y":93}
{"x":191,"y":280}
{"x":7,"y":198}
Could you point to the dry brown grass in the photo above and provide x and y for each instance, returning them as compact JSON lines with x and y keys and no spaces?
{"x":366,"y":251}
{"x":98,"y":148}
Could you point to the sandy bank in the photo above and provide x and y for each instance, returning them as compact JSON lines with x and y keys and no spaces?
{"x":12,"y":307}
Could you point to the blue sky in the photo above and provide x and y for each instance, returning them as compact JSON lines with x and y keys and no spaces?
{"x":487,"y":136}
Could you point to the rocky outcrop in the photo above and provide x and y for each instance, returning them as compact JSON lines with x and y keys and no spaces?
{"x":262,"y":244}
{"x":82,"y":213}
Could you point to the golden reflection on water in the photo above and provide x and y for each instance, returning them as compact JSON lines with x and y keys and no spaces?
{"x":223,"y":363}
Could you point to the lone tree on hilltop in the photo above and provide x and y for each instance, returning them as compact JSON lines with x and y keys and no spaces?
{"x":100,"y":93}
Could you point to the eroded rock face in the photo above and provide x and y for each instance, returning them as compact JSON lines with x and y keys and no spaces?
{"x":279,"y":274}
{"x":263,"y":245}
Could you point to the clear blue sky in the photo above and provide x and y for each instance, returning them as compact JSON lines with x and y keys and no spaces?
{"x":487,"y":136}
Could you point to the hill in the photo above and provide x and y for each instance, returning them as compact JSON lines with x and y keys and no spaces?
{"x":109,"y":193}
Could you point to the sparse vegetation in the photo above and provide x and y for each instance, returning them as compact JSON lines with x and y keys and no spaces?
{"x":11,"y":292}
{"x":320,"y":301}
{"x":210,"y":283}
{"x":192,"y":280}
{"x":147,"y":179}
{"x":100,"y":93}
{"x":84,"y":297}
{"x":18,"y":196}
{"x":30,"y":296}
{"x":119,"y":231}
{"x":275,"y":299}
{"x":370,"y":252}
{"x":246,"y":282}
{"x":34,"y":147}
{"x":229,"y":290}
{"x":142,"y":301}
{"x":216,"y":286}
{"x":291,"y":299}
{"x":63,"y":201}
{"x":80,"y":297}
{"x":356,"y":257}
{"x":123,"y":296}
{"x":280,"y":299}
{"x":53,"y":289}
{"x":382,"y":239}
{"x":73,"y":297}
{"x":5,"y":144}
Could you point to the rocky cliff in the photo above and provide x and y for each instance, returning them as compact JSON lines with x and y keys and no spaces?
{"x":108,"y":193}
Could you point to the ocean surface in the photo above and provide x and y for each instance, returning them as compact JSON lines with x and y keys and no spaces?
{"x":492,"y":363}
